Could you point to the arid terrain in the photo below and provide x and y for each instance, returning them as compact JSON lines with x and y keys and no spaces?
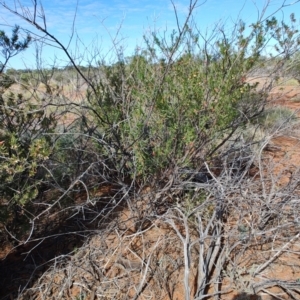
{"x":128,"y":254}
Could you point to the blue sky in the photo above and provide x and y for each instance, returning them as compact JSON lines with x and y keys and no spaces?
{"x":98,"y":22}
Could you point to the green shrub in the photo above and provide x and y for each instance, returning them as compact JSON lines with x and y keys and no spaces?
{"x":25,"y":145}
{"x":157,"y":113}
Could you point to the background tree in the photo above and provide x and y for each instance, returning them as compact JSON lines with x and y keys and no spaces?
{"x":12,"y":46}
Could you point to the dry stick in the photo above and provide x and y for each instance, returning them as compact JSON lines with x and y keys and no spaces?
{"x":210,"y":260}
{"x":202,"y":284}
{"x":65,"y":193}
{"x":215,"y":246}
{"x":286,"y":286}
{"x":141,"y":285}
{"x":186,"y":250}
{"x":213,"y":252}
{"x":218,"y":269}
{"x":261,"y":268}
{"x":202,"y":270}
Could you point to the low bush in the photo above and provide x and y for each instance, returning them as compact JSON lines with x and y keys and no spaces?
{"x":277,"y":118}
